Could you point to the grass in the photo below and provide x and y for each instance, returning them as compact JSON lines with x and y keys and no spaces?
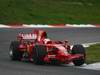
{"x":93,"y":53}
{"x":50,"y":11}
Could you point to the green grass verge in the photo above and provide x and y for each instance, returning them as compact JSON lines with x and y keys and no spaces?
{"x":93,"y":53}
{"x":50,"y":11}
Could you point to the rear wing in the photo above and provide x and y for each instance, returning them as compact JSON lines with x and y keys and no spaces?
{"x":27,"y":36}
{"x":36,"y":35}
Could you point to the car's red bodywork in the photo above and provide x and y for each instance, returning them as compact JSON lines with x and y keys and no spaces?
{"x":55,"y":50}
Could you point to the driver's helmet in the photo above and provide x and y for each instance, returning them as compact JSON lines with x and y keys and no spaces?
{"x":46,"y":40}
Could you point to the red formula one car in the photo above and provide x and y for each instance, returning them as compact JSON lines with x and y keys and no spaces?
{"x":37,"y":48}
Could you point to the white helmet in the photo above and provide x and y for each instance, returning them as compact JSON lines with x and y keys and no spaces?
{"x":46,"y":40}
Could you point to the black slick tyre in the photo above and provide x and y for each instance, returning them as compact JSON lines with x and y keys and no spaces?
{"x":39,"y":52}
{"x":14,"y":53}
{"x":79,"y":49}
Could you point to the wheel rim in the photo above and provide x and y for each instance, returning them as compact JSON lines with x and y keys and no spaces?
{"x":11,"y":52}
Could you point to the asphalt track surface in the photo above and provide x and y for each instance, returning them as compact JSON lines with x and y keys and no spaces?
{"x":75,"y":35}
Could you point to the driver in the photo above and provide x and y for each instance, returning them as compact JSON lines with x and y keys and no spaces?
{"x":66,"y":45}
{"x":46,"y":40}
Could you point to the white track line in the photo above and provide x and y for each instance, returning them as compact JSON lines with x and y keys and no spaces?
{"x":48,"y":26}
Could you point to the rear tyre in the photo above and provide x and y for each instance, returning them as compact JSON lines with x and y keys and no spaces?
{"x":79,"y":49}
{"x":39,"y":52}
{"x":14,"y":53}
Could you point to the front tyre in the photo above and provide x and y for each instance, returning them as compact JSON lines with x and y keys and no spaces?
{"x":79,"y":49}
